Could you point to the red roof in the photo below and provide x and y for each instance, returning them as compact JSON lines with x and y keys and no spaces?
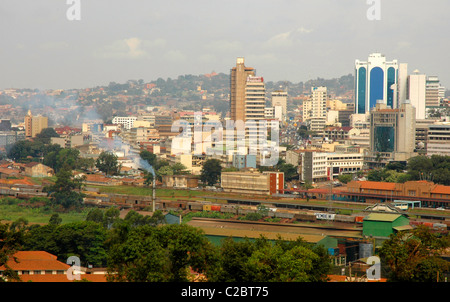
{"x":377,"y":185}
{"x":34,"y":261}
{"x":345,"y":128}
{"x":62,"y":278}
{"x":440,"y":189}
{"x":340,"y":278}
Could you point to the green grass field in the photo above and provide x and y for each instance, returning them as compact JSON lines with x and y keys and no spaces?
{"x":9,"y":213}
{"x":160,"y":192}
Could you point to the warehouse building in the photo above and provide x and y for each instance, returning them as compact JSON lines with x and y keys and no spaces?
{"x":381,"y":225}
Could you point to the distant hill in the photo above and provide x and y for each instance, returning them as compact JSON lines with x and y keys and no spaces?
{"x":220,"y":83}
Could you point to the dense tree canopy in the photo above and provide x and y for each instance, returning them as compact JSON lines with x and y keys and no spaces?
{"x":152,"y":254}
{"x":108,"y":163}
{"x":46,"y":134}
{"x":82,"y":239}
{"x":148,"y":156}
{"x":415,"y":255}
{"x":261,"y":260}
{"x":11,"y":239}
{"x":435,"y":168}
{"x":211,"y":171}
{"x":144,"y":249}
{"x":66,"y":191}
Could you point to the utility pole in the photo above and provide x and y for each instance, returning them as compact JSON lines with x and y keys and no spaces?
{"x":154,"y":194}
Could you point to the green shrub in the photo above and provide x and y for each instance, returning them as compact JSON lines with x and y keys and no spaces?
{"x":252,"y":217}
{"x":9,"y":201}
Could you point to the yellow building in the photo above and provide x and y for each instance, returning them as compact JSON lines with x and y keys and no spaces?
{"x":34,"y":124}
{"x":253,"y":182}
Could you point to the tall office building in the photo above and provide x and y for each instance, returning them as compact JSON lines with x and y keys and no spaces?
{"x":247,"y":104}
{"x":255,"y":98}
{"x":402,"y":84}
{"x":279,"y":99}
{"x":416,"y":93}
{"x":315,"y":109}
{"x":28,"y":124}
{"x":34,"y":124}
{"x":379,"y":79}
{"x":238,"y":81}
{"x":392,"y":133}
{"x":432,"y":98}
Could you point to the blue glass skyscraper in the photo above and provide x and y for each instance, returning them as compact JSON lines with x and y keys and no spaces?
{"x":376,"y":79}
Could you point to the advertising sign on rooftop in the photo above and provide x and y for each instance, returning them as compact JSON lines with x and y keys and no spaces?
{"x":255,"y":79}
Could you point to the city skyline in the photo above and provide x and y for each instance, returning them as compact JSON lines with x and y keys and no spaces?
{"x":115,"y":41}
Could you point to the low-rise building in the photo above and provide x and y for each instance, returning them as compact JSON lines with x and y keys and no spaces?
{"x":126,"y":121}
{"x":429,"y":193}
{"x":384,"y":224}
{"x":323,"y":166}
{"x":244,"y":161}
{"x":180,"y":181}
{"x":438,"y":139}
{"x":35,"y":169}
{"x":342,"y":163}
{"x":340,"y":133}
{"x":314,"y":166}
{"x":253,"y":182}
{"x":41,"y":266}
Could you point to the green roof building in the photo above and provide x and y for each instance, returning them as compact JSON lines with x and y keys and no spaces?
{"x":384,"y":224}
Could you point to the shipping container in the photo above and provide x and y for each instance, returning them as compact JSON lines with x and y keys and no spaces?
{"x":215,"y":208}
{"x":206,"y":207}
{"x":325,"y":216}
{"x":359,"y":219}
{"x":345,"y":218}
{"x":195,"y":206}
{"x":439,"y":225}
{"x":227,"y":208}
{"x":305,"y":217}
{"x":282,"y":215}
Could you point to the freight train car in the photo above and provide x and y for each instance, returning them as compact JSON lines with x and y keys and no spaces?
{"x":229,"y":208}
{"x":344,"y":218}
{"x":324,"y":216}
{"x":305,"y":217}
{"x":195,"y":205}
{"x":282,"y":213}
{"x":431,"y":225}
{"x":174,"y":205}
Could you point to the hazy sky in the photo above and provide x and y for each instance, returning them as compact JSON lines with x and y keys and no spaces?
{"x":293,"y":40}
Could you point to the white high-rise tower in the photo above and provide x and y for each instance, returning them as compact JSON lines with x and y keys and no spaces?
{"x":378,"y":79}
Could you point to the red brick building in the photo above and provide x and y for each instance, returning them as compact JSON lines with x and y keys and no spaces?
{"x":431,"y":194}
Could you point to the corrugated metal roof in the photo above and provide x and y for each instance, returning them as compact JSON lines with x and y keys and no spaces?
{"x":382,"y":217}
{"x":403,"y":227}
{"x":256,"y":234}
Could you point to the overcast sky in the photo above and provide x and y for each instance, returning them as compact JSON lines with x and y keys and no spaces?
{"x":293,"y":40}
